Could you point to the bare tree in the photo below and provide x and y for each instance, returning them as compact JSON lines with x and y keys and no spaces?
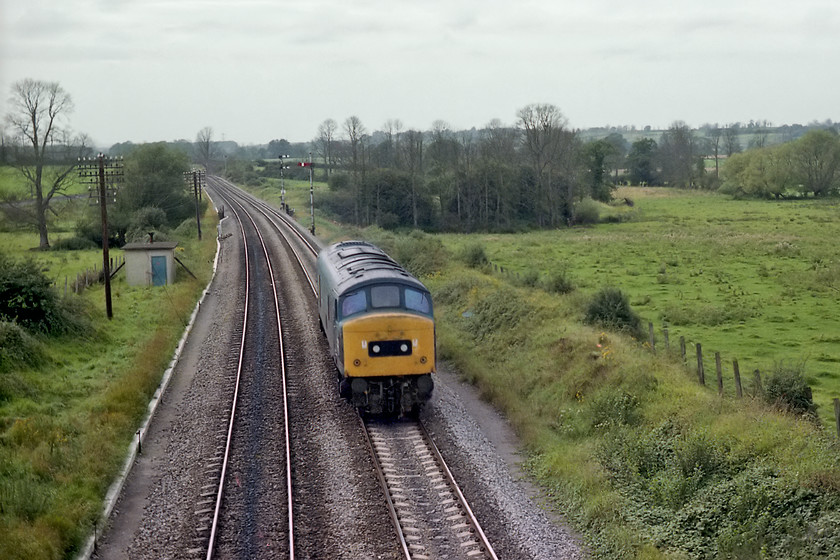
{"x":679,"y":156}
{"x":45,"y":153}
{"x":392,"y":129}
{"x":324,"y":142}
{"x":731,"y":144}
{"x":355,"y":131}
{"x":205,"y":151}
{"x":413,"y":148}
{"x":715,"y":138}
{"x":545,"y":139}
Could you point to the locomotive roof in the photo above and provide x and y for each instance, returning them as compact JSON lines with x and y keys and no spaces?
{"x":352,"y":264}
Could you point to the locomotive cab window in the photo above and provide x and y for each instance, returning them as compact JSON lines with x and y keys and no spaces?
{"x":385,"y":296}
{"x":418,"y":301}
{"x":353,"y":303}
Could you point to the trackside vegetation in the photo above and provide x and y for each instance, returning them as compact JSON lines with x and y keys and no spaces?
{"x":645,"y":461}
{"x":74,"y":386}
{"x":71,"y":401}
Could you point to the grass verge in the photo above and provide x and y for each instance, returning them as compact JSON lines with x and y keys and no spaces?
{"x":67,"y":419}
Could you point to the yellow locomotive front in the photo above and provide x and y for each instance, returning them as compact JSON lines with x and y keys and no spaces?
{"x":387,"y":341}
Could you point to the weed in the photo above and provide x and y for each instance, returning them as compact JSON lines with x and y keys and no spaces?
{"x":786,"y":387}
{"x":558,"y":282}
{"x":610,"y":309}
{"x":474,"y":256}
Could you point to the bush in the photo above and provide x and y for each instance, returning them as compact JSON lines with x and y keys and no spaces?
{"x":420,"y":254}
{"x":28,"y":298}
{"x":786,"y":387}
{"x":148,"y":218}
{"x":587,"y":212}
{"x":529,"y":278}
{"x":74,"y":243}
{"x":502,"y":309}
{"x":558,"y":282}
{"x":610,"y":309}
{"x":26,"y":295}
{"x":17,"y":348}
{"x":473,"y":255}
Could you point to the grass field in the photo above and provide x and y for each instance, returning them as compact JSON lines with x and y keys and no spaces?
{"x":67,"y":418}
{"x":757,"y":281}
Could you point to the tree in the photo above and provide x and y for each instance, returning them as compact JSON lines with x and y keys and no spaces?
{"x":678,"y":156}
{"x":595,"y":156}
{"x":324,"y":143}
{"x":764,"y":173}
{"x":412,"y":146}
{"x":641,"y":162}
{"x":355,"y":130}
{"x":731,"y":144}
{"x":546,"y":143}
{"x":43,"y":151}
{"x":816,"y":162}
{"x":617,"y":158}
{"x":205,"y":152}
{"x":154,"y":178}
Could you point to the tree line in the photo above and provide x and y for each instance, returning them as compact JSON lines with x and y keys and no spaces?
{"x":536,"y":173}
{"x":539,"y":171}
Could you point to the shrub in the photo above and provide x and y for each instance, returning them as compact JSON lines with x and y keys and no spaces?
{"x":610,"y":309}
{"x":26,"y":295}
{"x":502,"y":309}
{"x":529,"y":278}
{"x":558,"y":282}
{"x":786,"y":387}
{"x":473,"y":255}
{"x":148,"y":218}
{"x":587,"y":212}
{"x":614,"y":408}
{"x":17,"y":347}
{"x":419,"y":253}
{"x":74,"y":243}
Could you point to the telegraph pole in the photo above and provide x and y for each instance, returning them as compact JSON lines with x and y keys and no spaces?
{"x":197,"y":183}
{"x":97,"y":170}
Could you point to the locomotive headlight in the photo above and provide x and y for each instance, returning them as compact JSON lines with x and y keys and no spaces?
{"x":403,"y":348}
{"x":375,"y":349}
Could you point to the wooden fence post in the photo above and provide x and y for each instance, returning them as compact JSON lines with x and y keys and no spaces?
{"x":738,"y":390}
{"x":700,"y":373}
{"x":652,"y":340}
{"x":667,"y":342}
{"x":837,"y":414}
{"x":719,"y":373}
{"x":682,"y":348}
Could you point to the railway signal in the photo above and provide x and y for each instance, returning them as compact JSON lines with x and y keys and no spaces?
{"x":310,"y":165}
{"x":282,"y":185}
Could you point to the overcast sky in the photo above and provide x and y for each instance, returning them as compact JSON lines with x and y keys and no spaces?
{"x":255,"y":70}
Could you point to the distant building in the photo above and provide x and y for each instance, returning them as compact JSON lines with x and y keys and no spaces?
{"x":150,"y":264}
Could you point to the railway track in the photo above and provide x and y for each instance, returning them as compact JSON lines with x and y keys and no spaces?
{"x":429,"y":512}
{"x":430,"y":515}
{"x":258,"y":275}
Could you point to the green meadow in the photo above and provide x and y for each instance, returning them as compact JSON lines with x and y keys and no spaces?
{"x":757,"y":281}
{"x":70,"y":403}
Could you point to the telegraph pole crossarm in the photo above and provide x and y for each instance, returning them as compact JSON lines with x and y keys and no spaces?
{"x":98,"y":170}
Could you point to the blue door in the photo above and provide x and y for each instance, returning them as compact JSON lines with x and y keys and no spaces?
{"x":158,"y":271}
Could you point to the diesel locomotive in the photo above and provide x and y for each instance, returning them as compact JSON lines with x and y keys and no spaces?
{"x":379,"y":324}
